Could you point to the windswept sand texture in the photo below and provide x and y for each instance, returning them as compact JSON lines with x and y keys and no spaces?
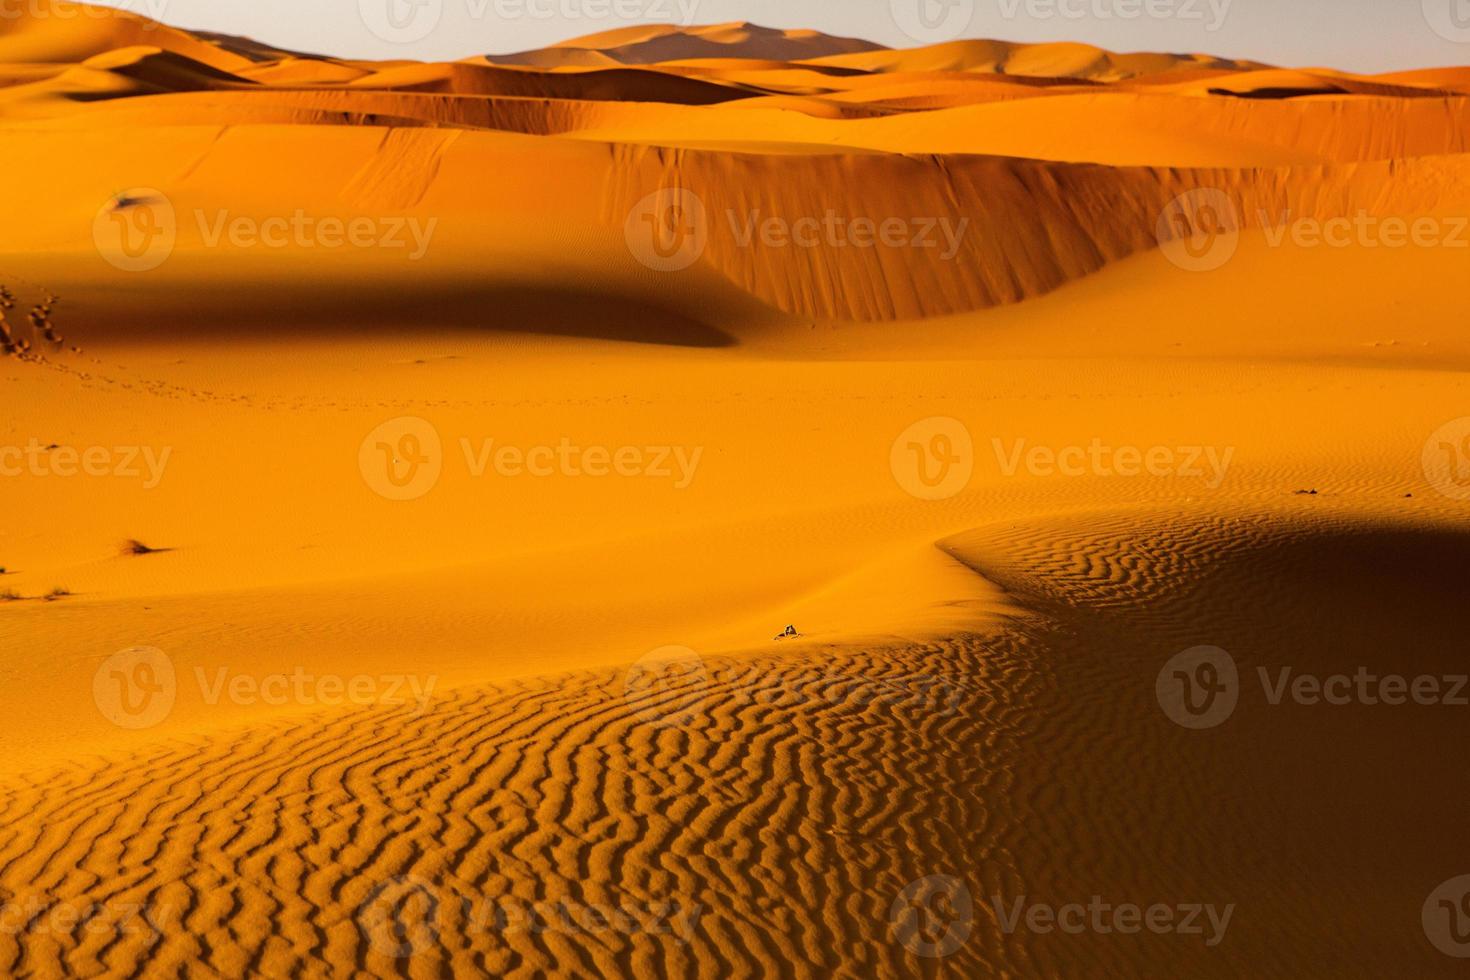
{"x":303,"y":676}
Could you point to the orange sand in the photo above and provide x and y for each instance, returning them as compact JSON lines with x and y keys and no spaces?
{"x":391,"y":726}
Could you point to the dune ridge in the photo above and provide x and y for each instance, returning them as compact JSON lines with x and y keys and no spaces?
{"x":758,"y":770}
{"x":1056,"y":160}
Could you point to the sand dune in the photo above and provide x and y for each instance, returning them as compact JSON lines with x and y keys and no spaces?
{"x":750,"y":139}
{"x":648,"y":45}
{"x":274,"y":707}
{"x":432,"y":833}
{"x":61,"y":32}
{"x":998,"y":230}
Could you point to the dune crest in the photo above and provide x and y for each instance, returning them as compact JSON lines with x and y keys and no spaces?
{"x":1044,"y":163}
{"x":661,"y":43}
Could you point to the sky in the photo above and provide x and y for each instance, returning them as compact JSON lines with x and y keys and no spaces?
{"x":1356,"y":35}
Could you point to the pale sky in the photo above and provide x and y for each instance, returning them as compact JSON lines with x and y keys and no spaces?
{"x":1359,"y":35}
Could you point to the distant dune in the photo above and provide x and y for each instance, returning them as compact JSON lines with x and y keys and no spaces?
{"x":750,"y":120}
{"x":652,"y":45}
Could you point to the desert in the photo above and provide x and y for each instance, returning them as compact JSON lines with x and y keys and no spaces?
{"x":721,"y":500}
